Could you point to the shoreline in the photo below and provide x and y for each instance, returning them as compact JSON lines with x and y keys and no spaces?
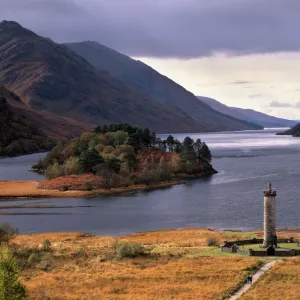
{"x":162,"y":233}
{"x":29,"y":189}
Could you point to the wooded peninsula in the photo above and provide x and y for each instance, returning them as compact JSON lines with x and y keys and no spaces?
{"x":121,"y":156}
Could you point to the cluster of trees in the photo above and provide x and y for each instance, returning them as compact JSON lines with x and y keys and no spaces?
{"x":123,"y":155}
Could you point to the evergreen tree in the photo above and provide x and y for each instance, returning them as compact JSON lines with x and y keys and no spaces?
{"x":198,"y":149}
{"x":205,"y":153}
{"x":88,"y":159}
{"x":170,"y":143}
{"x":188,"y":153}
{"x":131,"y":161}
{"x":114,"y":164}
{"x":134,"y":141}
{"x":146,"y":138}
{"x":10,"y":287}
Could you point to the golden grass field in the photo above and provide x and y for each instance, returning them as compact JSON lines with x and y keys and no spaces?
{"x":281,"y":282}
{"x":30,"y":188}
{"x":15,"y":189}
{"x":180,"y":266}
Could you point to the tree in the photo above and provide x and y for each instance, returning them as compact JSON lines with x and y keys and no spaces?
{"x":134,"y":141}
{"x":176,"y":162}
{"x":107,"y":178}
{"x":71,"y":166}
{"x":7,"y":233}
{"x":198,"y":149}
{"x":153,"y":139}
{"x":177,"y":147}
{"x":206,"y":154}
{"x":146,"y":138}
{"x":88,"y":159}
{"x":114,"y":164}
{"x":108,"y":149}
{"x":123,"y":149}
{"x":162,"y":165}
{"x":120,"y":137}
{"x":10,"y":287}
{"x":161,"y":144}
{"x":131,"y":161}
{"x":170,"y":143}
{"x":84,"y":140}
{"x":94,"y":142}
{"x":54,"y":171}
{"x":188,"y":153}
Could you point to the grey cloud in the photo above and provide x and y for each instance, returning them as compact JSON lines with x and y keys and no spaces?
{"x":241,"y":82}
{"x":237,"y":82}
{"x":280,"y":104}
{"x":165,"y":28}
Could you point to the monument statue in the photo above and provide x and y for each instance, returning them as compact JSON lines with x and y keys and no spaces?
{"x":270,"y":237}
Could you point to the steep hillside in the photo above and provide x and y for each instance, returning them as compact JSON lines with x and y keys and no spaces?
{"x":54,"y":126}
{"x":248,"y":114}
{"x":294,"y":131}
{"x":146,"y":80}
{"x":52,"y":77}
{"x":19,"y":135}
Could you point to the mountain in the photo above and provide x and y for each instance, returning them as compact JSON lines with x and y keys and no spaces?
{"x":24,"y":130}
{"x":149,"y":82}
{"x":248,"y":114}
{"x":294,"y":131}
{"x":49,"y":76}
{"x":54,"y":126}
{"x":19,"y":135}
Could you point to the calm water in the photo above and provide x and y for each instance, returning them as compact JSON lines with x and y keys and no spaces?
{"x":17,"y":168}
{"x":232,"y":199}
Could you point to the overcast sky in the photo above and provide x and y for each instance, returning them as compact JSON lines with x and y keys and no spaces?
{"x":244,"y":53}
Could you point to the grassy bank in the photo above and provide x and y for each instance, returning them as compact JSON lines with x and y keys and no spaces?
{"x":167,"y":264}
{"x":30,"y":189}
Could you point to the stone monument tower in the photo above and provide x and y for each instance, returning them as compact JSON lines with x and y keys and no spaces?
{"x":270,"y":237}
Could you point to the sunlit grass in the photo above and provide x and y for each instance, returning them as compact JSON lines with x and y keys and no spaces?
{"x":84,"y":267}
{"x":281,"y":282}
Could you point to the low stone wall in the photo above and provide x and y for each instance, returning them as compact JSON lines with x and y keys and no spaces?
{"x":244,"y":252}
{"x":285,"y":252}
{"x":257,"y":253}
{"x":233,"y":247}
{"x":226,"y":249}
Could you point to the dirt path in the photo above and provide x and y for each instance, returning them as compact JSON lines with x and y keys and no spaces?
{"x":255,"y":277}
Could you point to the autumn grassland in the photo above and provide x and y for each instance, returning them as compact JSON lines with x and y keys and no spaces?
{"x":281,"y":282}
{"x":176,"y":264}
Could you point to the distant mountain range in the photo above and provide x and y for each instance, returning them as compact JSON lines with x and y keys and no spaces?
{"x":161,"y":89}
{"x":49,"y":76}
{"x":249,"y":115}
{"x":96,"y":85}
